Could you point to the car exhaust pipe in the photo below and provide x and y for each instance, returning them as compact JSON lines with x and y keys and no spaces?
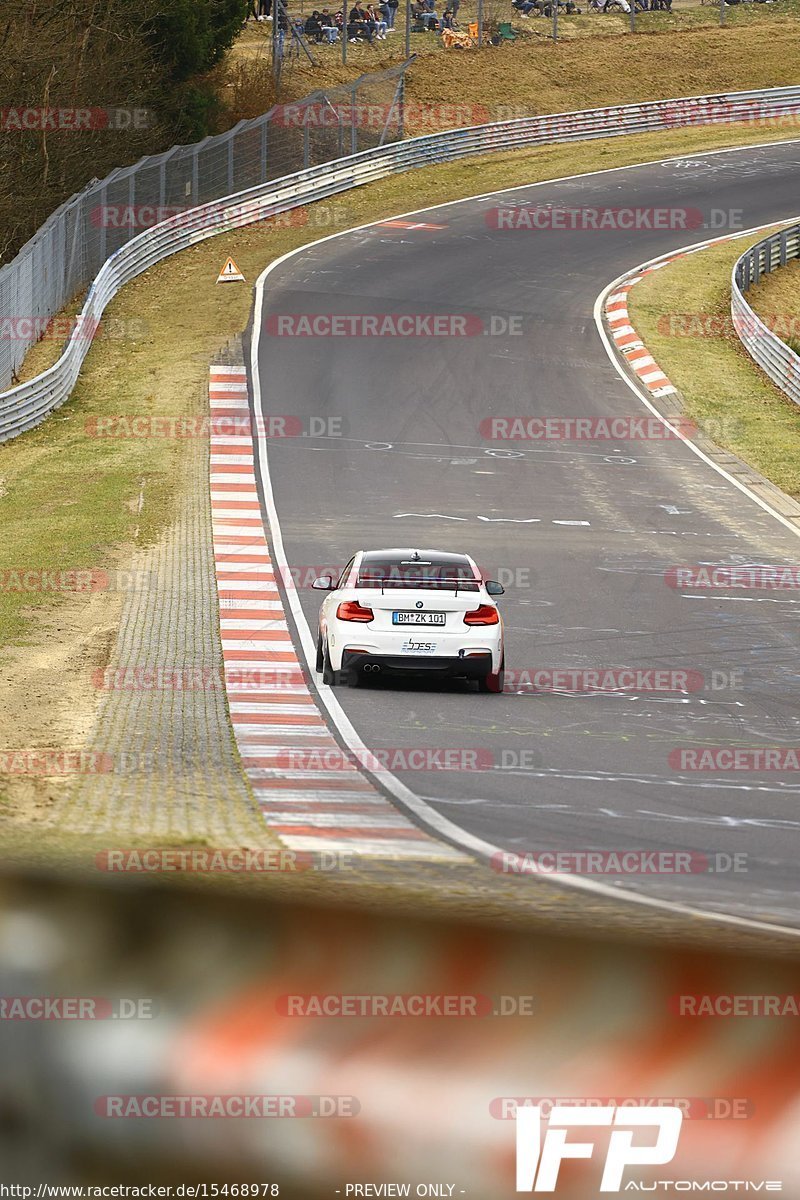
{"x":367,"y":667}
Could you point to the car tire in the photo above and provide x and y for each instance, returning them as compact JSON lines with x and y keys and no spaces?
{"x":320,"y":652}
{"x":329,"y":676}
{"x":491,"y":682}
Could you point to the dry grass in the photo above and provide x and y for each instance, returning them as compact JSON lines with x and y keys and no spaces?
{"x":724,"y":390}
{"x":777,"y":300}
{"x":598,"y":62}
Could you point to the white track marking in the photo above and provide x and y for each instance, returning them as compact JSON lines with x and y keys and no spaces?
{"x":428,"y":816}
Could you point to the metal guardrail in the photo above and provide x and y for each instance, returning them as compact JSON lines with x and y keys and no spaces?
{"x":772,"y":354}
{"x":26,"y":405}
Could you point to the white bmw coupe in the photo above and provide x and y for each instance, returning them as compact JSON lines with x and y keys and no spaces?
{"x":410,"y":612}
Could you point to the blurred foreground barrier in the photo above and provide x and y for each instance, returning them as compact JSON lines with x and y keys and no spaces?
{"x":367,"y":1046}
{"x":26,"y":405}
{"x":763,"y":344}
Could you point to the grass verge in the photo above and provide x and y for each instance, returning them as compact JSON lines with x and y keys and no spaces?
{"x":683,"y":315}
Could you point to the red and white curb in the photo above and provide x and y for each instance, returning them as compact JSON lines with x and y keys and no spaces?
{"x":627,"y":340}
{"x":624,"y":336}
{"x":274,"y":715}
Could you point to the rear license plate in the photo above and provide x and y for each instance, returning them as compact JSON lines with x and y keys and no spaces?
{"x":418,"y":618}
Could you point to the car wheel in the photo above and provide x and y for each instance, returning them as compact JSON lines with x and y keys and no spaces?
{"x":329,"y":676}
{"x":320,"y":652}
{"x":491,"y":682}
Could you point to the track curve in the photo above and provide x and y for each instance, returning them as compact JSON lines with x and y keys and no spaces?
{"x":586,"y":529}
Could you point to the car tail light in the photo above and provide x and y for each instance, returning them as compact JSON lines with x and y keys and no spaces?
{"x":351,"y":610}
{"x":485,"y":615}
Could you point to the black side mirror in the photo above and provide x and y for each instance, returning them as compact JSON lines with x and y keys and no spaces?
{"x":494,"y":589}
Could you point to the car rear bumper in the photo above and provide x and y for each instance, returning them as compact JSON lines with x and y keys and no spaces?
{"x":475,"y":666}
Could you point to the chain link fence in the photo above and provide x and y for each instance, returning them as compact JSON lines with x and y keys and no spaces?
{"x":66,"y":253}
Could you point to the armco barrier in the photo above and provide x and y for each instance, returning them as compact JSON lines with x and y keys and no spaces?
{"x":772,"y":354}
{"x":26,"y":405}
{"x":427,"y":1026}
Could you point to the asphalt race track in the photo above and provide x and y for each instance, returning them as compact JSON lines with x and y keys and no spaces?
{"x":584,"y":529}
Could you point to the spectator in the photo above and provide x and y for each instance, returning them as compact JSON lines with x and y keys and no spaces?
{"x":393,"y":6}
{"x":424,"y":16}
{"x":327,"y":23}
{"x":447,"y":18}
{"x":379,"y":24}
{"x":358,"y":26}
{"x":312,"y":28}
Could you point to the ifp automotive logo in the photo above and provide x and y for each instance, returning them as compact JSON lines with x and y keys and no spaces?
{"x":538,"y":1162}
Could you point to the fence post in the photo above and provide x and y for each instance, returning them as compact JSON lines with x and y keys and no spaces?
{"x":401,"y":120}
{"x":398,"y":93}
{"x":353,"y":120}
{"x":131,"y":200}
{"x":264,"y":134}
{"x":103,"y":194}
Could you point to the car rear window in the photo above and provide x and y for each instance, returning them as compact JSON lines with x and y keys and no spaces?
{"x":448,"y":574}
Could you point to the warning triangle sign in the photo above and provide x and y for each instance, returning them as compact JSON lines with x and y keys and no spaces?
{"x":230,"y":273}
